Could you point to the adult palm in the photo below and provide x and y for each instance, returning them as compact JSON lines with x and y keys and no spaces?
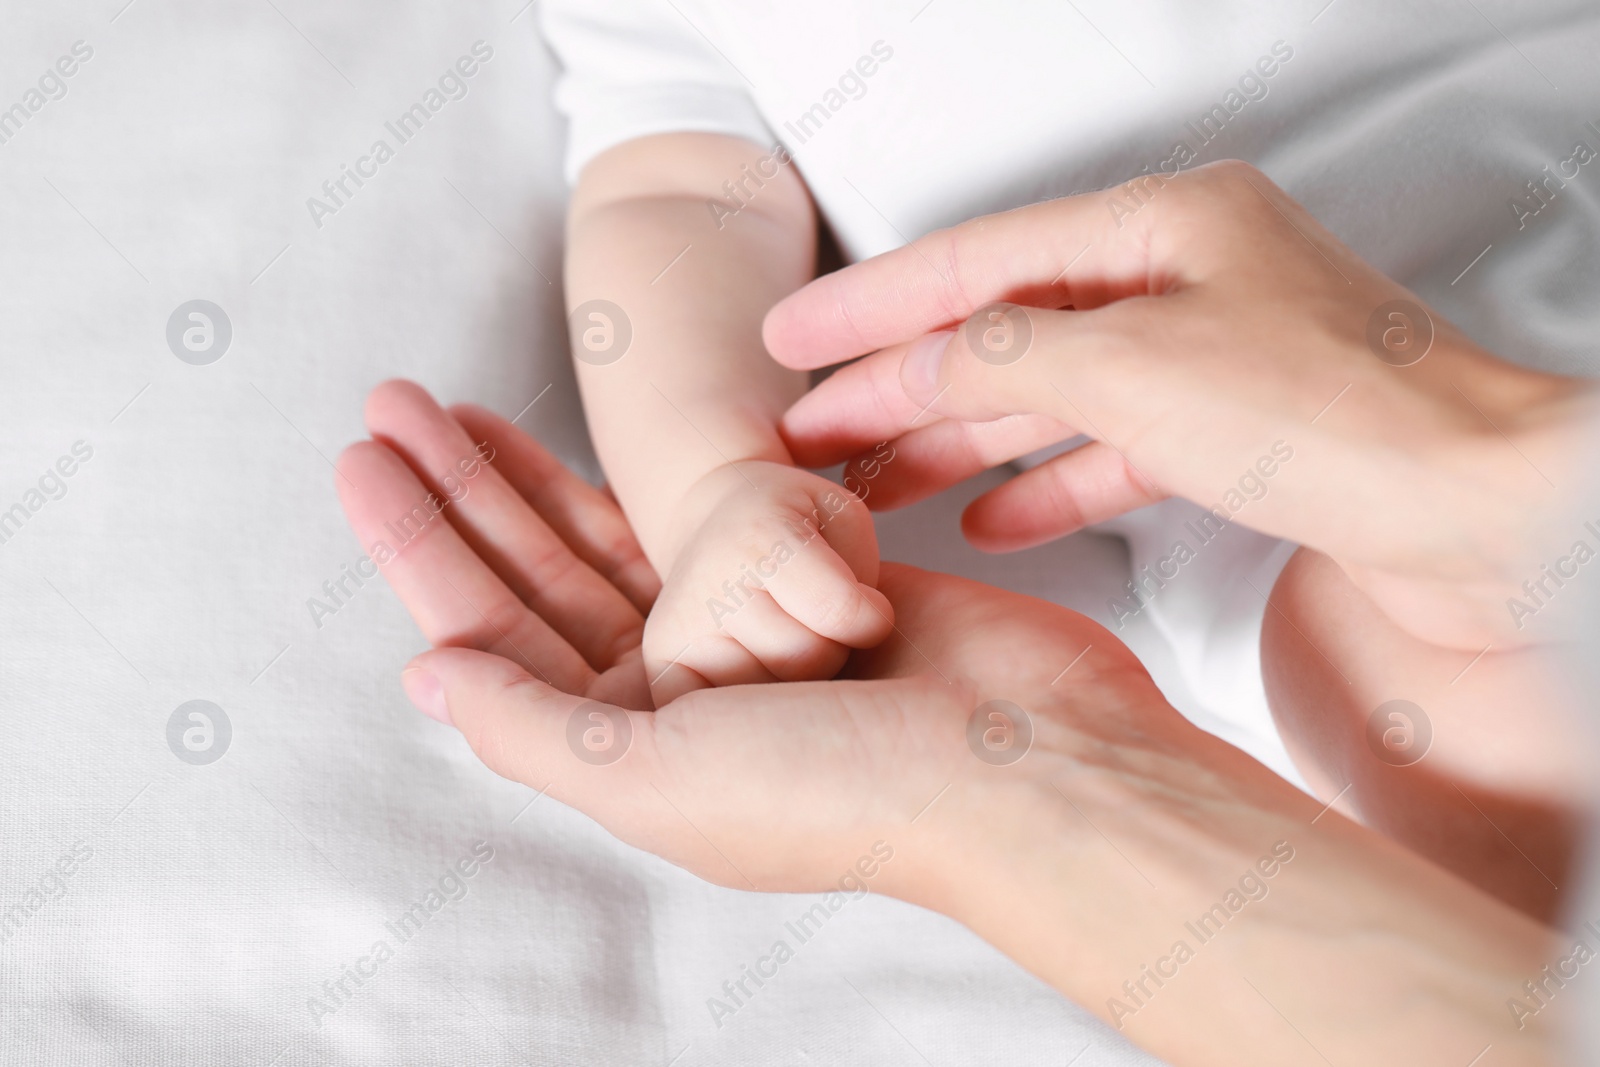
{"x":531,"y":588}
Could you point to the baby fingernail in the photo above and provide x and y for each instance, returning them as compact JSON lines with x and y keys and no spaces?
{"x":919,"y":372}
{"x":426,"y":693}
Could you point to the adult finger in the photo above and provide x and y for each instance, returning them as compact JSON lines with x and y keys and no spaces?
{"x":455,"y":598}
{"x":1061,"y":253}
{"x":1153,"y":235}
{"x":592,"y":755}
{"x":501,"y":526}
{"x":932,"y":458}
{"x":587,"y":519}
{"x":1065,"y":365}
{"x":1080,"y":488}
{"x":854,"y":408}
{"x":865,"y":405}
{"x":1007,"y":361}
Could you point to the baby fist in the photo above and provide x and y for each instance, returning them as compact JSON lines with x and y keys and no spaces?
{"x":776,"y":582}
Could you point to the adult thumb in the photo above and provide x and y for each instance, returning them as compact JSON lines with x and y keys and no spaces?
{"x":524,"y":729}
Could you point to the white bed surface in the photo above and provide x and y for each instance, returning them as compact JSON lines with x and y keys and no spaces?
{"x":208,"y":904}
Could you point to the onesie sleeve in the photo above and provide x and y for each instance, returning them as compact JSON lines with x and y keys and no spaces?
{"x":636,"y":67}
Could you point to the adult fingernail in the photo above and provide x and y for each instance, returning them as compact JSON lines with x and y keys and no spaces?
{"x":427,"y":693}
{"x":919,"y":371}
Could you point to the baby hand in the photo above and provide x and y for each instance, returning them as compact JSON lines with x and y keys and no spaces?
{"x":775,"y":581}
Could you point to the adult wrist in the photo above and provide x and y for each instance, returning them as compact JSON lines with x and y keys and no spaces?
{"x":1514,"y":465}
{"x":1461,"y":455}
{"x":1092,"y":866}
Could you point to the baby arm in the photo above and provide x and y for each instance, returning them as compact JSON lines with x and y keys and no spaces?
{"x":769,"y":571}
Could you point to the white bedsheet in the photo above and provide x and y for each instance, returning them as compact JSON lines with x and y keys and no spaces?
{"x":172,"y":912}
{"x":154,"y":910}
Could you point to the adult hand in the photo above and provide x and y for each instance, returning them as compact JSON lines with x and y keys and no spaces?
{"x":1083,"y":858}
{"x":1217,"y":344}
{"x":533,"y":591}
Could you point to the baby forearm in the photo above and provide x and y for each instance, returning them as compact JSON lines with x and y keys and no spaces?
{"x":695,"y":390}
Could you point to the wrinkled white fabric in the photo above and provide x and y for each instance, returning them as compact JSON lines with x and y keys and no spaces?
{"x":162,"y":911}
{"x":156,"y":911}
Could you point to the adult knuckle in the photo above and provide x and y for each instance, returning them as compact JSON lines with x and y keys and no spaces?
{"x":1234,"y":170}
{"x":1215,"y":195}
{"x":555,"y":564}
{"x":503,"y":618}
{"x":947,"y":253}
